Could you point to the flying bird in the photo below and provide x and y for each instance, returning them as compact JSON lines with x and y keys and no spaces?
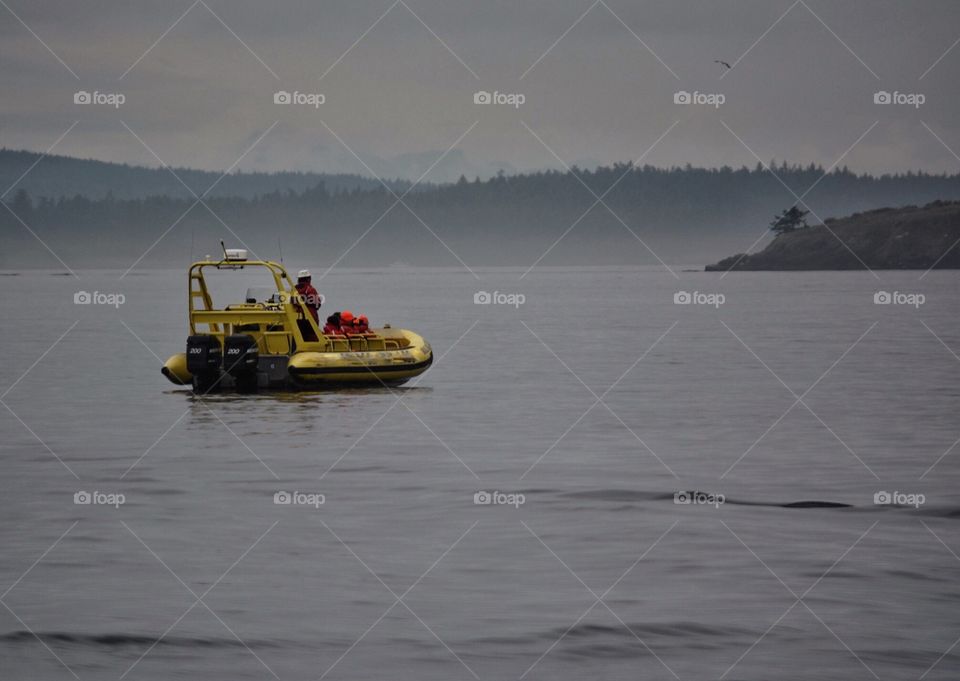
{"x":720,"y":61}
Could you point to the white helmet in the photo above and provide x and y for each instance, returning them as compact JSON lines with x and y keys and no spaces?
{"x":302,"y":274}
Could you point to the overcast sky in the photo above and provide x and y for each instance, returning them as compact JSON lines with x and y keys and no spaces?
{"x":598,"y":82}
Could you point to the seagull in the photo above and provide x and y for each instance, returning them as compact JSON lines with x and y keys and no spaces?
{"x":719,"y":61}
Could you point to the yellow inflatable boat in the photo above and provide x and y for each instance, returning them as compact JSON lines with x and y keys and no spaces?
{"x":269,"y":341}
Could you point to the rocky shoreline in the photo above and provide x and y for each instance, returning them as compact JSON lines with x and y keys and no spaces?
{"x":905,"y":238}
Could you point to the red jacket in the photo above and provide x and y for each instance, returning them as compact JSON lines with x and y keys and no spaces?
{"x":310,"y":297}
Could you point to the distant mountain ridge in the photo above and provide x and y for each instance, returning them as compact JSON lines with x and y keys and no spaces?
{"x":904,"y":238}
{"x":65,"y":176}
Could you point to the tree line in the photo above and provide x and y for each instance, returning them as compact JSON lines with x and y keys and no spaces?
{"x":680,"y":212}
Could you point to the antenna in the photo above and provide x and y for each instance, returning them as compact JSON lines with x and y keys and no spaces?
{"x":224,"y":247}
{"x":280,"y":248}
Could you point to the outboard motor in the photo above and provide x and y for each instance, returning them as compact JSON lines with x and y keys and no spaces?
{"x":241,"y":359}
{"x":203,"y":362}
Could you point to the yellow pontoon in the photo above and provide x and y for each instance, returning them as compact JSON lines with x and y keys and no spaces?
{"x":270,"y":341}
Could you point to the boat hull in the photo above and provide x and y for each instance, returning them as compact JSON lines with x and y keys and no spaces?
{"x":389,"y":367}
{"x":175,"y":369}
{"x":312,"y":370}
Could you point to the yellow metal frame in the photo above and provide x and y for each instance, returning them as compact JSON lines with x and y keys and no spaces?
{"x":278,"y":330}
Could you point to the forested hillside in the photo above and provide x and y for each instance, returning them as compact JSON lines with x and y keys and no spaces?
{"x":684,"y":215}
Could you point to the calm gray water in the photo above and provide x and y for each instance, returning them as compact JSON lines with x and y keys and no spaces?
{"x":400,"y":575}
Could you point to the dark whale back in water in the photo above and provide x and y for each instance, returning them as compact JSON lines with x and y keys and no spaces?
{"x":635,"y":496}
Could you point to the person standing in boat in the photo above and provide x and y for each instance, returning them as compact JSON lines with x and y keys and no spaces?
{"x":307,"y":295}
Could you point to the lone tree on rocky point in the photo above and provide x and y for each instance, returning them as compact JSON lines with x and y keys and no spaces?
{"x":789,"y":220}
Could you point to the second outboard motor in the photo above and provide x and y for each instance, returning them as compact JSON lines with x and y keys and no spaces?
{"x":240,"y":359}
{"x":203,"y":362}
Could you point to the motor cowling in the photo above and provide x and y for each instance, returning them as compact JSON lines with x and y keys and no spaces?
{"x":203,"y":354}
{"x":240,"y":355}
